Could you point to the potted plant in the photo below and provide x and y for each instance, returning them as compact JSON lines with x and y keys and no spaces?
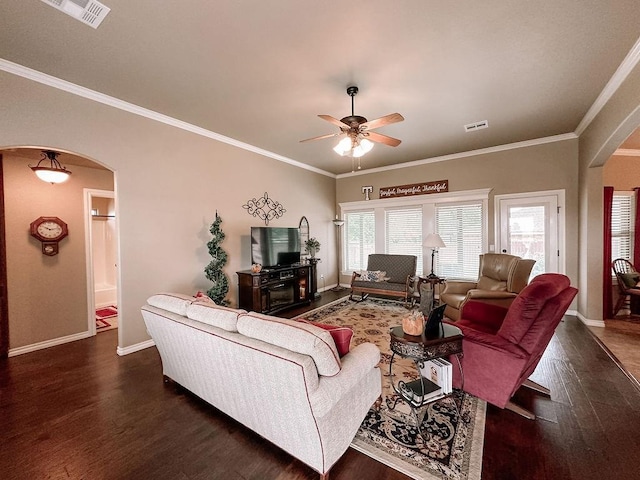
{"x":312,"y":246}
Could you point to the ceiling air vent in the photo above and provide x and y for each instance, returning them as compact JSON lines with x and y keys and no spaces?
{"x":472,"y":127}
{"x":89,"y":12}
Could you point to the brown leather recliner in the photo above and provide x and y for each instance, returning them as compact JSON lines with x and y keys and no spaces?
{"x":500,"y":279}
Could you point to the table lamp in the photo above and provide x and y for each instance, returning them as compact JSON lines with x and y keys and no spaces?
{"x":433,"y":241}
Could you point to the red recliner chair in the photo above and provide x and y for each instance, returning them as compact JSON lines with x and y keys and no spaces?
{"x":502,"y":346}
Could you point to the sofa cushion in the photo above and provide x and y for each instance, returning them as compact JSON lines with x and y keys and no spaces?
{"x":630,"y":279}
{"x":173,"y":302}
{"x":215,"y":315}
{"x":341,"y":335}
{"x":296,"y":336}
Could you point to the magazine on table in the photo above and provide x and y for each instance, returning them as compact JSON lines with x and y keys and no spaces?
{"x":413,"y":391}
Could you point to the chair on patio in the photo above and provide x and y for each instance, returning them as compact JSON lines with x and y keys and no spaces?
{"x":628,"y":278}
{"x":502,"y":346}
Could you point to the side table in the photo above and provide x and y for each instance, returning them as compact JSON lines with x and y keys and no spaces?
{"x":421,"y":349}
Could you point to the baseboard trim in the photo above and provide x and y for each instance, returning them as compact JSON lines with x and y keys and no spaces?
{"x":135,"y":348}
{"x":48,"y":343}
{"x":588,"y":322}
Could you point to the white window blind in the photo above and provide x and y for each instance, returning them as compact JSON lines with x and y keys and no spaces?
{"x":461,"y":229}
{"x":403,"y":233}
{"x":622,"y":226}
{"x":360,"y":236}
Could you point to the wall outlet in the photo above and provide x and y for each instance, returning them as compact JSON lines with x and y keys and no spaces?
{"x":321,"y":276}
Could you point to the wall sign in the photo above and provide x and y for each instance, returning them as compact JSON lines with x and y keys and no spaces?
{"x":415,"y":189}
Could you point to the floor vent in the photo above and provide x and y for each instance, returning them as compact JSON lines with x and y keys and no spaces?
{"x":476,"y":126}
{"x":88,"y":12}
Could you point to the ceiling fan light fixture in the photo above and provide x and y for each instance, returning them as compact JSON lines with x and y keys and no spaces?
{"x":363,"y":147}
{"x":55,"y":172}
{"x":343,"y":147}
{"x":353,"y":147}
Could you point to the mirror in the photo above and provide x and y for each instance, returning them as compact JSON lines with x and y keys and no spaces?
{"x":304,"y":234}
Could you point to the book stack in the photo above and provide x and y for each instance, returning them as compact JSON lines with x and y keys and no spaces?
{"x":438,"y":371}
{"x":434,"y":384}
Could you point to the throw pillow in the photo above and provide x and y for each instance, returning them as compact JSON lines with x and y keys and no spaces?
{"x":631,"y":279}
{"x":341,"y":335}
{"x":373,"y":276}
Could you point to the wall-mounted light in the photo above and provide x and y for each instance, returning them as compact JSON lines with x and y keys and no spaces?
{"x":54,"y":172}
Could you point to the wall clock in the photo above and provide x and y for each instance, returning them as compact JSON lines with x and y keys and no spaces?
{"x":49,"y":230}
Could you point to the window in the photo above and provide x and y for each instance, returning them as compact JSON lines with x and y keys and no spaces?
{"x":622,"y":226}
{"x":461,"y":228}
{"x":403,"y":232}
{"x":360,"y":235}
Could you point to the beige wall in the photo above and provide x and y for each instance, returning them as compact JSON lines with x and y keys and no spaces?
{"x":47,"y":295}
{"x":550,"y":166}
{"x":169,"y":184}
{"x":619,"y":117}
{"x":622,"y":173}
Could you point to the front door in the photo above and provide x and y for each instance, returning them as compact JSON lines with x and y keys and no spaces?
{"x":529,"y":226}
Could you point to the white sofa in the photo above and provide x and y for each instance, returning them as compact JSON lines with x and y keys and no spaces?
{"x":281,"y":378}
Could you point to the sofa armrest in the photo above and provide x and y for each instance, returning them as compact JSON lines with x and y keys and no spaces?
{"x":355,"y":365}
{"x":457,"y":287}
{"x":494,"y":342}
{"x":476,"y":294}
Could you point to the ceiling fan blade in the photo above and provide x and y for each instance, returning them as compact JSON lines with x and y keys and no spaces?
{"x":382,"y":121}
{"x":329,"y":135}
{"x":333,"y":120}
{"x":378,"y":137}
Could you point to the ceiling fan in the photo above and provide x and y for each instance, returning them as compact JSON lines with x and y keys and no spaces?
{"x":358,"y":131}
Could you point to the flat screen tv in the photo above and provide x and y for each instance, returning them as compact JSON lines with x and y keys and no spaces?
{"x":274,"y":247}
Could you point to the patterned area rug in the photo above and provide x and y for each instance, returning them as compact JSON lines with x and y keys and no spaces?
{"x":453,"y":445}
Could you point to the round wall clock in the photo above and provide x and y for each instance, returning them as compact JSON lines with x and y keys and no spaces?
{"x":49,"y":230}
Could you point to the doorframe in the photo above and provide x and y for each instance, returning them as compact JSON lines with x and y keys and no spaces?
{"x":4,"y":291}
{"x":89,"y":194}
{"x":560,"y":195}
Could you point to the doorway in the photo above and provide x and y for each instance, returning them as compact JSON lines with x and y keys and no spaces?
{"x":531,"y":225}
{"x":102,"y":260}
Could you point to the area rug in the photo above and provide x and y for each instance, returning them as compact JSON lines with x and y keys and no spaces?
{"x":453,"y":446}
{"x":103,"y":313}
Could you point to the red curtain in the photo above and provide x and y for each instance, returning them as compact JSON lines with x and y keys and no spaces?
{"x":607,"y":301}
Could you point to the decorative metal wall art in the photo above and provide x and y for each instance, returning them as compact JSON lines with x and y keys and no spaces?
{"x":264,"y":208}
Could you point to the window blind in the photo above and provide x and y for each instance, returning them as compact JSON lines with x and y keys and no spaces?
{"x":403,"y":233}
{"x":360,"y":233}
{"x":622,"y":227}
{"x":461,"y":229}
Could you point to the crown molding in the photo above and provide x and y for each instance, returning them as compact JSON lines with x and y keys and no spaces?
{"x":470,"y":153}
{"x":623,"y":71}
{"x":626,"y":152}
{"x":51,"y":81}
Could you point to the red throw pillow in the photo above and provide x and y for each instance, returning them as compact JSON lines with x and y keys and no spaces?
{"x":341,"y":336}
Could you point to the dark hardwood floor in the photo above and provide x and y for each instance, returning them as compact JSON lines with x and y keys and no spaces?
{"x":79,"y":411}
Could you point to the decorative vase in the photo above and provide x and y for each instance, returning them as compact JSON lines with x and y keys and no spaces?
{"x":312,"y":252}
{"x":413,"y":324}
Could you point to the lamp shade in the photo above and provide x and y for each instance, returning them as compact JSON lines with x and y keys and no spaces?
{"x":433,"y":240}
{"x":54,"y":173}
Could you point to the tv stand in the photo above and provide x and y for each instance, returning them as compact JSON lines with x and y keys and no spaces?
{"x":275,"y":289}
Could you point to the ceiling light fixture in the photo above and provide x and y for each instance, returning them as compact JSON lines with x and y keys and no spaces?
{"x":54,"y":173}
{"x":353,"y":146}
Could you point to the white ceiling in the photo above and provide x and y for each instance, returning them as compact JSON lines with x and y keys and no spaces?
{"x":261,"y":72}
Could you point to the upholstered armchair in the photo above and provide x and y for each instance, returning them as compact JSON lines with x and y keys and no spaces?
{"x":501,"y":278}
{"x":502,"y":346}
